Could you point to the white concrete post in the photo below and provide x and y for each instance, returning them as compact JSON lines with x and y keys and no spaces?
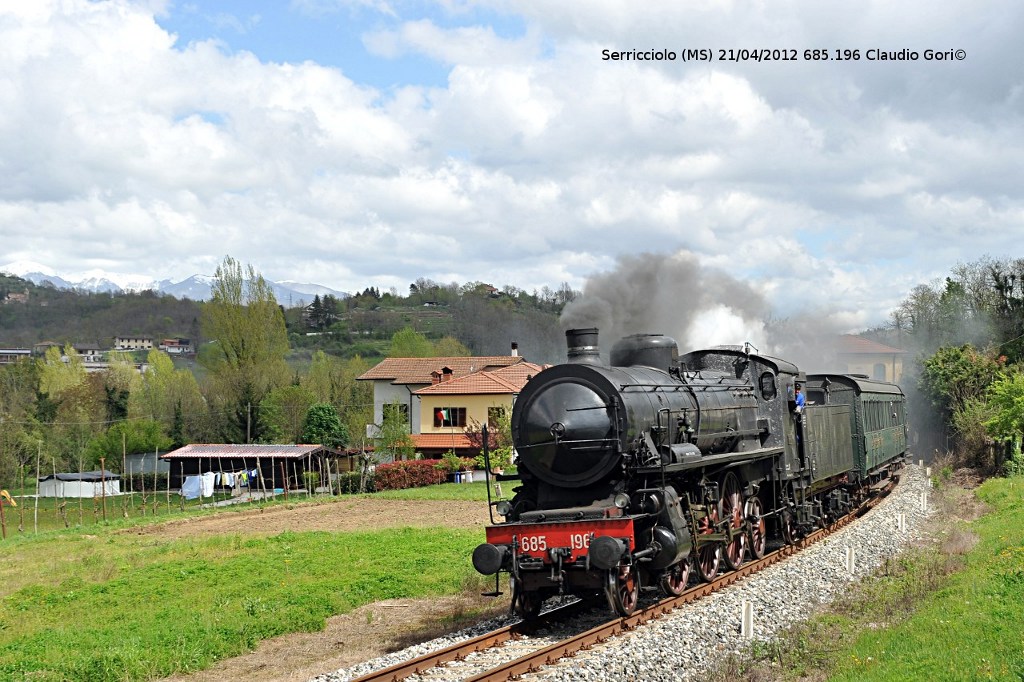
{"x":924,"y":500}
{"x":901,"y":522}
{"x":747,"y":625}
{"x":851,"y":560}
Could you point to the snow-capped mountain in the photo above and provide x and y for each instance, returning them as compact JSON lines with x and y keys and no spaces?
{"x":196,"y":287}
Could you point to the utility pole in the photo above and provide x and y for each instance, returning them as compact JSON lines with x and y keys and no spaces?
{"x":248,"y":422}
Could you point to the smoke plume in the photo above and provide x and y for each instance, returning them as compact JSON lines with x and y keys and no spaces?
{"x":674,"y":295}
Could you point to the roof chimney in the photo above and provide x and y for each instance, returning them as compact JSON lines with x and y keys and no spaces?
{"x":515,"y":349}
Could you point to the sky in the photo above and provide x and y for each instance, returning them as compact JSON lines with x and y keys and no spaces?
{"x":357,"y":143}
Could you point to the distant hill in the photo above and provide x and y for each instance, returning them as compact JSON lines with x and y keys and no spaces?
{"x":485,"y":320}
{"x":195,"y":288}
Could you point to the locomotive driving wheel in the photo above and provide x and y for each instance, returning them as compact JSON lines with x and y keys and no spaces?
{"x":623,"y":589}
{"x":673,"y":581}
{"x":732,"y":511}
{"x":758,"y":536}
{"x":709,"y":555}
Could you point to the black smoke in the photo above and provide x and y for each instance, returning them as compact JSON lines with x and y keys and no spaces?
{"x":672,"y":295}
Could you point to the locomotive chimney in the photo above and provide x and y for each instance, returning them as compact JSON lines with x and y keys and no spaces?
{"x":582,"y":345}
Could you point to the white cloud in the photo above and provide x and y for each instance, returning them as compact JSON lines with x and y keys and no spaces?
{"x":831,"y":186}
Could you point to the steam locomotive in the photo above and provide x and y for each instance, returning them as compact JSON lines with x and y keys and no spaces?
{"x":655,"y":466}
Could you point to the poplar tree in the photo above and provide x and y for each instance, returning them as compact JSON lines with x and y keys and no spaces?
{"x":249,"y":343}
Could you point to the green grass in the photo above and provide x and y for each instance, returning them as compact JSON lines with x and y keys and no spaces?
{"x":972,"y":628}
{"x":120,"y":509}
{"x":110,"y":605}
{"x":952,"y":612}
{"x":476,"y":491}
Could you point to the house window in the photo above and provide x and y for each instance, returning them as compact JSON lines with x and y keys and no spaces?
{"x":391,"y":409}
{"x":449,"y":416}
{"x":880,"y":371}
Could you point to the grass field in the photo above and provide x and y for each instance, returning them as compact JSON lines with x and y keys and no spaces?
{"x":105,"y":605}
{"x":953,"y":611}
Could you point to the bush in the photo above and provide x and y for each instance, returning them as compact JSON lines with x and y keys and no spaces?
{"x":408,"y":474}
{"x":348,"y":483}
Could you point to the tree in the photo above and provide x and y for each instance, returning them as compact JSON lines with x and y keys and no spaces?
{"x":393,"y":438}
{"x":142,"y":435}
{"x":20,"y":433}
{"x":409,"y":343}
{"x":450,"y":347}
{"x":323,"y":426}
{"x":170,"y":396}
{"x":499,"y":437}
{"x":57,"y":377}
{"x":1006,"y":398}
{"x":246,"y":360}
{"x":956,"y":374}
{"x":284,"y":411}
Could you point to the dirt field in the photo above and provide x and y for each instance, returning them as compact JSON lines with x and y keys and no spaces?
{"x":363,"y":634}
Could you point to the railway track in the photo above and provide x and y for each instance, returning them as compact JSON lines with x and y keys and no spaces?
{"x":520,"y":648}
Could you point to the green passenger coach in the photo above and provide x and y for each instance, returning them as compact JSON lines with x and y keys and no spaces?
{"x":878,"y":417}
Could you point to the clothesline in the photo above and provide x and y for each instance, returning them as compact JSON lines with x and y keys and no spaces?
{"x":202,"y":485}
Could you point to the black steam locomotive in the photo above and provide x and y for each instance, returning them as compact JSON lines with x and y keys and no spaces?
{"x":657,"y":465}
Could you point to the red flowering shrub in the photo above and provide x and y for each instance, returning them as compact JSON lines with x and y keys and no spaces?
{"x":414,"y":473}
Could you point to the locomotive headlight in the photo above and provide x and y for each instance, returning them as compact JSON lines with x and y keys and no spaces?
{"x":622,"y":500}
{"x":503,"y":507}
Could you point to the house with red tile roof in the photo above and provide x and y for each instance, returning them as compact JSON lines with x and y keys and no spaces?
{"x":447,"y":408}
{"x":467,"y":387}
{"x":857,"y":355}
{"x":396,"y":379}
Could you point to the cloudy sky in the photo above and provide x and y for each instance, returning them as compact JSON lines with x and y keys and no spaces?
{"x":373,"y":142}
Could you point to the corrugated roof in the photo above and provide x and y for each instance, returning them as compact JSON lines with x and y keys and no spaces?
{"x":418,"y":370}
{"x":509,"y":379}
{"x":214,"y":451}
{"x":852,"y":345}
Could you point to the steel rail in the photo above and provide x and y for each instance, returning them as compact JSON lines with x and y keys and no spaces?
{"x":550,"y":654}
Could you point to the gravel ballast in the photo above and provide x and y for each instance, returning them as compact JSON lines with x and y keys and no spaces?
{"x":687,"y":643}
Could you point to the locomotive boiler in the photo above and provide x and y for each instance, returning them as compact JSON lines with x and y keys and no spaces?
{"x":655,"y":465}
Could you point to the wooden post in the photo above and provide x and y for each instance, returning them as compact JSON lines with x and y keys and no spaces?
{"x":103,"y":486}
{"x":263,"y":483}
{"x":21,"y":510}
{"x":284,"y":481}
{"x":35,"y":513}
{"x":157,"y":465}
{"x":3,"y":520}
{"x":56,"y":513}
{"x":81,"y":518}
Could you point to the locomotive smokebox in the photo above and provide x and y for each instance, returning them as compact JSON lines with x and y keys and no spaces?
{"x":582,"y":346}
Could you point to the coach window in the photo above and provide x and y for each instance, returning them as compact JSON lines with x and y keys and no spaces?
{"x":768,"y":390}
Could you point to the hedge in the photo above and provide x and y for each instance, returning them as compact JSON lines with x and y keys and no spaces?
{"x":414,"y":473}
